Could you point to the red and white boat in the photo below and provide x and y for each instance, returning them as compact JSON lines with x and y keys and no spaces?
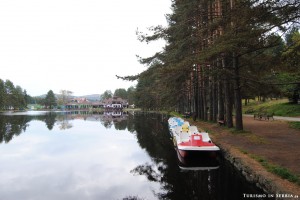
{"x":188,"y":140}
{"x":201,"y":162}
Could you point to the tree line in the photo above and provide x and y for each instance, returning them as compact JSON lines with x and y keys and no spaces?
{"x":219,"y":52}
{"x":128,"y":94}
{"x":52,"y":100}
{"x":12,"y":97}
{"x":15,"y":98}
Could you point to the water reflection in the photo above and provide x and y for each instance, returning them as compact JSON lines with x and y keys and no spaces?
{"x":118,"y":119}
{"x":200,"y":161}
{"x":175,"y":183}
{"x":14,"y":123}
{"x":105,"y":156}
{"x":202,"y":178}
{"x":87,"y":161}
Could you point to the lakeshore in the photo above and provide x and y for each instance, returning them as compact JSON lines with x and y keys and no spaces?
{"x":272,"y":141}
{"x":70,"y":138}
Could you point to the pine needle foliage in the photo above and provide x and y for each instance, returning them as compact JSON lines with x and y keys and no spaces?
{"x":217,"y":52}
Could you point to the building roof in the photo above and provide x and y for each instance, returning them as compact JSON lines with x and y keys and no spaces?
{"x":84,"y":101}
{"x":115,"y":100}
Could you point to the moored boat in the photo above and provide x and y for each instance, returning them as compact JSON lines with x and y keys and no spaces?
{"x":200,"y":162}
{"x":188,"y":140}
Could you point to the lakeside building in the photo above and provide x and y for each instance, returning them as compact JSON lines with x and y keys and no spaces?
{"x":103,"y":116}
{"x":83,"y":103}
{"x":115,"y":102}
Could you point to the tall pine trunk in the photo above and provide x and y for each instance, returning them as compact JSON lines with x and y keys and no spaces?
{"x":220,"y":92}
{"x":237,"y":93}
{"x":196,"y":92}
{"x":211,"y":94}
{"x":220,"y":101}
{"x":215,"y":99}
{"x":228,"y":99}
{"x":205,"y":103}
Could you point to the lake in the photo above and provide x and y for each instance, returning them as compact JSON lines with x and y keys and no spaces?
{"x":120,"y":155}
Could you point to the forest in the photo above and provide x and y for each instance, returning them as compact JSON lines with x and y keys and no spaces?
{"x":12,"y":96}
{"x":218,"y":53}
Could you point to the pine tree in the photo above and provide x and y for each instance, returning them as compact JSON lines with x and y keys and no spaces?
{"x":50,"y":99}
{"x":205,"y":63}
{"x":2,"y":94}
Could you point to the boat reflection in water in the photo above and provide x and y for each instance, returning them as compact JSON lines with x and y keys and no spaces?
{"x":94,"y":155}
{"x":199,"y":174}
{"x":198,"y":161}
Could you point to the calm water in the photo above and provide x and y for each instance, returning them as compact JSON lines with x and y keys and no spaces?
{"x":80,"y":156}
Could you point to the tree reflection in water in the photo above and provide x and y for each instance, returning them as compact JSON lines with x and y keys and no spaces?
{"x":132,"y":198}
{"x":210,"y":181}
{"x":63,"y":121}
{"x":63,"y":125}
{"x":11,"y":126}
{"x":150,"y":171}
{"x":176,"y":183}
{"x":14,"y":124}
{"x":50,"y":119}
{"x":152,"y":135}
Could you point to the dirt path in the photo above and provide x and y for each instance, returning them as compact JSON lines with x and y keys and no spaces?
{"x":277,"y":142}
{"x":274,"y":140}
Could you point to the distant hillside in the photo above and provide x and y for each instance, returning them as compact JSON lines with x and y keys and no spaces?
{"x":90,"y":97}
{"x":41,"y":96}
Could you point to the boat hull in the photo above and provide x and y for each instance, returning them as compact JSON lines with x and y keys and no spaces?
{"x":199,"y":161}
{"x":195,"y":153}
{"x":195,"y":144}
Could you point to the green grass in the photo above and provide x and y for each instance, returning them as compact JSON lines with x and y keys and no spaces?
{"x":278,"y":170}
{"x":243,"y":151}
{"x":275,"y":169}
{"x":175,"y":114}
{"x":279,"y":107}
{"x":285,"y":109}
{"x":295,"y":125}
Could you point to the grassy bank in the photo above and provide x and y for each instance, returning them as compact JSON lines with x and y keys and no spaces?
{"x":279,"y":107}
{"x":275,"y":169}
{"x":295,"y":125}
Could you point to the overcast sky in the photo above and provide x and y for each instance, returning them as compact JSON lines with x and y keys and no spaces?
{"x":77,"y":45}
